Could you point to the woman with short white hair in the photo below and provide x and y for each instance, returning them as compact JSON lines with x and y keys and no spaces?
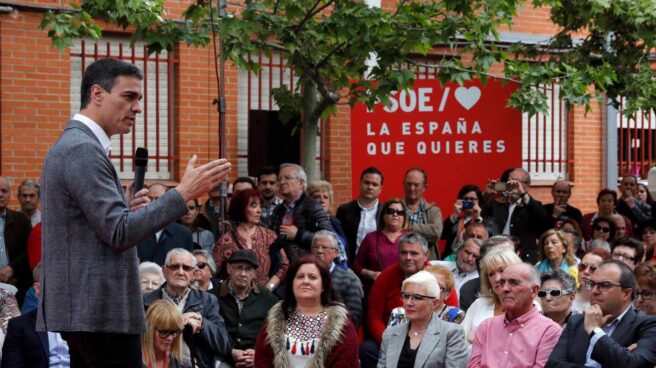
{"x":425,"y":336}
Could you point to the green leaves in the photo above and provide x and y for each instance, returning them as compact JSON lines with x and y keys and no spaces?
{"x":602,"y":46}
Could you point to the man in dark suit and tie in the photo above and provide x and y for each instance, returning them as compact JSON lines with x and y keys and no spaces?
{"x":610,"y":332}
{"x":90,"y":290}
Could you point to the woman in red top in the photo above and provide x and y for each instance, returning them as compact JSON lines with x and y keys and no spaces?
{"x":380,"y":249}
{"x":245,"y":208}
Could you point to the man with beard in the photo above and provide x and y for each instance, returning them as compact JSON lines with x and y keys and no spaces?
{"x":267,"y":185}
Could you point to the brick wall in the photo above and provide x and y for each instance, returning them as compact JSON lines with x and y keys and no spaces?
{"x":34,"y":108}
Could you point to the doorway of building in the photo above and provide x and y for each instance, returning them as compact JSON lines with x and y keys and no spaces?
{"x":270,"y":141}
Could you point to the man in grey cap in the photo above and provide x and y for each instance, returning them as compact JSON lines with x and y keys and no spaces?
{"x":244,"y":305}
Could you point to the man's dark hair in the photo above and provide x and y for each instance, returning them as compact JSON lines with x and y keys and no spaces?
{"x":244,"y":179}
{"x":29,"y":184}
{"x":420,"y":170}
{"x":372,"y":170}
{"x":630,"y":243}
{"x":627,"y":278}
{"x":471,"y":188}
{"x":267,"y":170}
{"x":104,"y":73}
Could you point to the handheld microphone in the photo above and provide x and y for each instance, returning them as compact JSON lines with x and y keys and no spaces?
{"x":140,"y":162}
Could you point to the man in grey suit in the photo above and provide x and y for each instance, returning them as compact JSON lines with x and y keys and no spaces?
{"x":89,"y":280}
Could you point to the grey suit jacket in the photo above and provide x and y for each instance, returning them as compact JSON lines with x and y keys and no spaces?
{"x":89,"y":275}
{"x":443,"y":345}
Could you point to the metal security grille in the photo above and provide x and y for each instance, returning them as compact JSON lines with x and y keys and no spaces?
{"x":545,"y":137}
{"x":255,"y":99}
{"x":154,"y":126}
{"x":636,"y":137}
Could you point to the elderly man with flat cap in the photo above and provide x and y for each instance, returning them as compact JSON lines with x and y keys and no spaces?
{"x":244,"y":306}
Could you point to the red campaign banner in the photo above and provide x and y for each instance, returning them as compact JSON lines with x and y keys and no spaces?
{"x":458,"y":134}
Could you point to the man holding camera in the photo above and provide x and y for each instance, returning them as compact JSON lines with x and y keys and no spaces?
{"x":521,"y":215}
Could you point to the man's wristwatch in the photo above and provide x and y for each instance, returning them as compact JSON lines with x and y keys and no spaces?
{"x":596,"y":331}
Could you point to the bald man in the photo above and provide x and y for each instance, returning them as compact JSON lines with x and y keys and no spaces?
{"x":560,"y":210}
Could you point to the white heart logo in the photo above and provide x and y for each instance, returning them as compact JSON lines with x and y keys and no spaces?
{"x":468,"y":97}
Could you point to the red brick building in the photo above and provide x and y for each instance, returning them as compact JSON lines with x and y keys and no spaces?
{"x":39,"y":91}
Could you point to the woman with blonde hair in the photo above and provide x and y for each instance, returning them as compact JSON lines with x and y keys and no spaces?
{"x":161,"y":344}
{"x":555,"y":253}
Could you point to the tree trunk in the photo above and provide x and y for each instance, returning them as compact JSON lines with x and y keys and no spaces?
{"x":310,"y":129}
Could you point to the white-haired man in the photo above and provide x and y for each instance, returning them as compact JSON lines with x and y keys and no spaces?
{"x":204,"y":327}
{"x":299,"y":216}
{"x":521,"y":337}
{"x":345,"y":283}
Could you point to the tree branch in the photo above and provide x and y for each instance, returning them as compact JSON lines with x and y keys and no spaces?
{"x":312,"y":12}
{"x":324,"y":61}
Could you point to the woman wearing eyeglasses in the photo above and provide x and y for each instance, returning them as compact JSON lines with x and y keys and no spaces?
{"x":555,"y":253}
{"x":308,"y":328}
{"x":425,"y":340}
{"x":380,"y":249}
{"x":446,"y":312}
{"x":588,"y":265}
{"x":245,"y":208}
{"x":606,"y":204}
{"x":556,"y":294}
{"x":646,"y":294}
{"x":161,"y":344}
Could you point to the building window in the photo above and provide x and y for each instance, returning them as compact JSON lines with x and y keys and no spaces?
{"x":154,"y":126}
{"x":261,"y":138}
{"x":636,"y":141}
{"x":545,"y":140}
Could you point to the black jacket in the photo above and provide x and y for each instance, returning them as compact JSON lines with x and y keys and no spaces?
{"x":349,"y":215}
{"x":243,"y":327}
{"x":17,"y":230}
{"x":309,"y":217}
{"x":528,"y":222}
{"x":24,"y":346}
{"x":610,"y":351}
{"x":212,"y":342}
{"x":173,"y":236}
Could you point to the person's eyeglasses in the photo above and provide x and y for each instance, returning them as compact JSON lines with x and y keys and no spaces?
{"x":645,"y":294}
{"x":602,"y":229}
{"x":583,"y":267}
{"x":286,"y":178}
{"x":177,"y":266}
{"x":392,"y":211}
{"x":602,"y":286}
{"x":416,"y":297}
{"x":624,"y":256}
{"x":201,"y":265}
{"x":151,"y":283}
{"x":552,"y":292}
{"x":166,"y":333}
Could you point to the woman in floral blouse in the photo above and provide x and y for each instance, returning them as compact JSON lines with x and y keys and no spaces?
{"x":245,"y":208}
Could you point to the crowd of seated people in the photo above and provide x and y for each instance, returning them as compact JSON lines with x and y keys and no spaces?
{"x":284,"y":280}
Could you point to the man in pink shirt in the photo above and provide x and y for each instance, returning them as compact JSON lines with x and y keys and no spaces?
{"x":521,"y":337}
